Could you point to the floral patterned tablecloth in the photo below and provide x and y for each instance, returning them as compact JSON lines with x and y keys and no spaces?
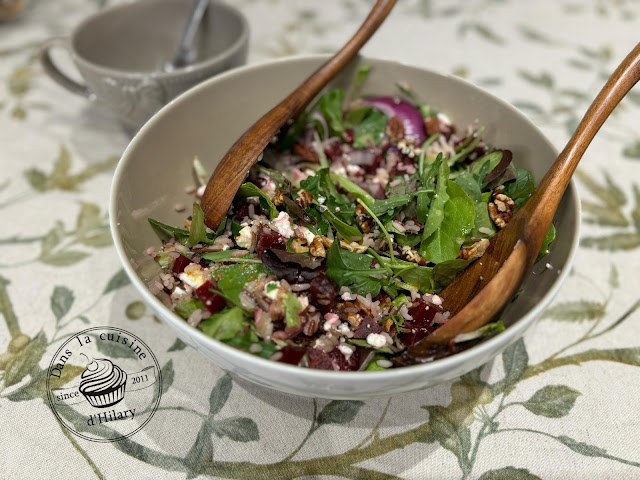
{"x":560,"y":404}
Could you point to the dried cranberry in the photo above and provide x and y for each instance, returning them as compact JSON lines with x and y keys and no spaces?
{"x":323,"y":293}
{"x":268,"y":238}
{"x":243,"y":210}
{"x":292,"y":355}
{"x":332,"y":148}
{"x":348,"y":136}
{"x":180,"y":263}
{"x":212,"y":301}
{"x":367,"y":326}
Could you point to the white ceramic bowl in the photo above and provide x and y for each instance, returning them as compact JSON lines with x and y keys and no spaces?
{"x":207,"y":119}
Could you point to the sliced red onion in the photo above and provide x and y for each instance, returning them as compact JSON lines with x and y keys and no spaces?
{"x":411,"y":117}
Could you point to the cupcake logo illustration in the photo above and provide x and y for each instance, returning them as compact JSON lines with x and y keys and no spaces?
{"x":104,"y":384}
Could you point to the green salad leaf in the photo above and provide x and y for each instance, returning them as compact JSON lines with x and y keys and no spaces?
{"x":248,"y":189}
{"x":227,"y":256}
{"x":370,"y":131}
{"x":458,"y":217}
{"x":180,"y":234}
{"x":445,"y":272}
{"x":438,"y":202}
{"x":232,"y":278}
{"x":350,"y":187}
{"x":225,"y":324}
{"x":185,"y":308}
{"x":549,"y":237}
{"x":244,"y":341}
{"x":198,"y":230}
{"x":292,"y":308}
{"x":521,"y":188}
{"x":353,"y":270}
{"x":330,"y":105}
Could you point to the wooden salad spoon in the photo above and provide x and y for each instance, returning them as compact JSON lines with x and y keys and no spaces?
{"x":483,"y":290}
{"x":234,"y":166}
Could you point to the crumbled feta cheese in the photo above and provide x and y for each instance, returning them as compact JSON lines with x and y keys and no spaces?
{"x":304,"y":301}
{"x":331,"y":320}
{"x":344,"y":328}
{"x":178,"y":293}
{"x":271,"y":289}
{"x":340,"y":170}
{"x":321,"y":199}
{"x":354,"y":169}
{"x":384,"y":363}
{"x":282,"y":225}
{"x":346,"y":350}
{"x":245,"y":238}
{"x":255,"y":348}
{"x":376,"y":340}
{"x":193,"y":275}
{"x":308,"y":234}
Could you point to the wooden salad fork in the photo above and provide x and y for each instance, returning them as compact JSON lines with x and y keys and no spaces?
{"x":234,"y":166}
{"x":483,"y":290}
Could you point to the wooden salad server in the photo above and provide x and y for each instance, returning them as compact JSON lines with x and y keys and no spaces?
{"x":234,"y":166}
{"x":483,"y":290}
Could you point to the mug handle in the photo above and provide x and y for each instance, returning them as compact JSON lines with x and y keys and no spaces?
{"x":54,"y":72}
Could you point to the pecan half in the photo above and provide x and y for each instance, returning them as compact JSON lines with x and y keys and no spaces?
{"x":412,"y":255}
{"x":395,"y":129}
{"x":501,"y":209}
{"x":317,"y":248}
{"x":366,"y":223}
{"x":353,"y":246}
{"x":474,"y":251}
{"x":298,"y":245}
{"x":303,"y":198}
{"x":278,"y":197}
{"x":305,"y":153}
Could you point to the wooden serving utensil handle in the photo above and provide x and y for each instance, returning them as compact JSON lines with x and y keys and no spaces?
{"x":234,"y":166}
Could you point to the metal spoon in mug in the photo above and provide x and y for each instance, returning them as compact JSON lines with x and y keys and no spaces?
{"x":184,"y":50}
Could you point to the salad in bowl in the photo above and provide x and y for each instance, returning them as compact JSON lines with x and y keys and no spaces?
{"x":335,"y":248}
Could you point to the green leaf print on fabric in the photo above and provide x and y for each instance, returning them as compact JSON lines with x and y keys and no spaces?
{"x":552,"y":401}
{"x":61,"y":301}
{"x":339,"y":412}
{"x":509,"y":473}
{"x":119,"y":280}
{"x":576,"y":311}
{"x":515,"y":361}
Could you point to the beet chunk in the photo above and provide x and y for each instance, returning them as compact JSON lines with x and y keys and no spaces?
{"x":292,"y":355}
{"x":268,"y":238}
{"x":367,"y":326}
{"x":334,"y":360}
{"x":212,"y":301}
{"x":323,"y":293}
{"x":179,"y":264}
{"x":422,"y":313}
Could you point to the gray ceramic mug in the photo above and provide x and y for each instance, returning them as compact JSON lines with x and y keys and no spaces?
{"x":120,"y":51}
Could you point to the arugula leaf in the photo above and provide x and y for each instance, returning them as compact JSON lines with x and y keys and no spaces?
{"x":294,"y":132}
{"x":388,"y":205}
{"x":520,"y":189}
{"x":487,"y":330}
{"x":549,"y":237}
{"x":373,"y":366}
{"x":292,"y":307}
{"x":425,"y":196}
{"x":470,"y":185}
{"x":348,"y":232}
{"x":179,"y":234}
{"x":355,"y":116}
{"x":445,"y":272}
{"x":459,"y":214}
{"x":371,"y":130}
{"x":330,"y":105}
{"x":186,"y":307}
{"x":350,"y":187}
{"x":353,"y":270}
{"x":438,"y":202}
{"x":419,"y":277}
{"x":245,"y":340}
{"x":361,"y":77}
{"x":232,"y":278}
{"x":226,"y":324}
{"x":197,"y":230}
{"x":164,"y":260}
{"x":226,"y":256}
{"x":468,"y":146}
{"x":248,"y":189}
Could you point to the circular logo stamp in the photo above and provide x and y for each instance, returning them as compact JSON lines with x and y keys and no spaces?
{"x":104,"y":384}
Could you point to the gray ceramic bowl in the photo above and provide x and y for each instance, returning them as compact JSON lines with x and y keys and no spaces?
{"x":206,"y":120}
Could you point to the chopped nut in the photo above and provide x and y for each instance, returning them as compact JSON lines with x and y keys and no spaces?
{"x":303,"y":198}
{"x":278,"y":197}
{"x":353,"y":246}
{"x":317,"y":248}
{"x":325,"y":241}
{"x":431,"y":125}
{"x":366,"y":223}
{"x":387,"y":325}
{"x":501,"y":209}
{"x":412,"y":255}
{"x":395,"y":129}
{"x":187,"y":224}
{"x":312,"y":324}
{"x":305,"y":153}
{"x":474,"y":251}
{"x":299,"y":245}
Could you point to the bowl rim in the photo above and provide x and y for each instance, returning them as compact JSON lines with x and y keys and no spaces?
{"x":237,"y":45}
{"x":234,"y":355}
